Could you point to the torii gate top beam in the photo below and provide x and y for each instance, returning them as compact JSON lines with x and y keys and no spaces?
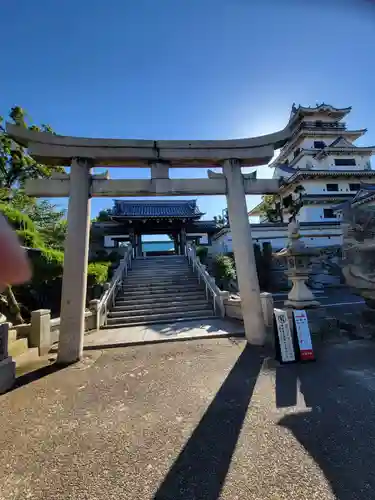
{"x":56,"y":150}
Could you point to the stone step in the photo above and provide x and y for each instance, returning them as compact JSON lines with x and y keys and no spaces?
{"x":171,"y":268}
{"x":160,"y":304}
{"x":164,"y":258}
{"x":17,"y":347}
{"x":26,"y":359}
{"x":159,"y":298}
{"x":159,"y":270}
{"x":166,"y":276}
{"x":157,"y":322}
{"x":154,"y":262}
{"x":167,"y":262}
{"x":165,"y":318}
{"x":164,"y":309}
{"x":29,"y":362}
{"x":12,"y":335}
{"x":173,"y":265}
{"x":160,"y":282}
{"x":158,"y":289}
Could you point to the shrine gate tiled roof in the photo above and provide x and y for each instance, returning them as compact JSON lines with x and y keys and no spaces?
{"x":153,"y":209}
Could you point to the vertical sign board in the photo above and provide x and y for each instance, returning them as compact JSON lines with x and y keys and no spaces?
{"x":302,"y":330}
{"x":284,"y":338}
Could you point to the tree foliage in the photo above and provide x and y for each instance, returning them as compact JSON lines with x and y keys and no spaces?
{"x":222,"y":220}
{"x":40,"y":225}
{"x":202,"y":253}
{"x":103,"y":215}
{"x":272,"y":206}
{"x":22,"y":211}
{"x":16,"y":166}
{"x":224,"y":270}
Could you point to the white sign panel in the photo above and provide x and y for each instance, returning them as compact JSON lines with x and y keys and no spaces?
{"x":303,"y":335}
{"x":285,"y":336}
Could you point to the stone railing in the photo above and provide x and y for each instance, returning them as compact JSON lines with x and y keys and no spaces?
{"x":212,"y":290}
{"x":233,"y":307}
{"x":44,"y":331}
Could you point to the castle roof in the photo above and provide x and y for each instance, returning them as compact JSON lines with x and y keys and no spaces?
{"x":323,"y":108}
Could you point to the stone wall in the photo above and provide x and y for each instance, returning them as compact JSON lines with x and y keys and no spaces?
{"x":325,"y":270}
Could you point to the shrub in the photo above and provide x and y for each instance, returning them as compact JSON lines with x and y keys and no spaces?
{"x":98,"y":273}
{"x":114,"y":257}
{"x":266,"y":267}
{"x":202,"y":253}
{"x":223,"y":270}
{"x":100,"y":256}
{"x":16,"y":218}
{"x":47,"y":265}
{"x":263,"y":261}
{"x":29,"y":238}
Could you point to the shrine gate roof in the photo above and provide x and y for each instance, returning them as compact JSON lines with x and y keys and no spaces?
{"x":157,"y":208}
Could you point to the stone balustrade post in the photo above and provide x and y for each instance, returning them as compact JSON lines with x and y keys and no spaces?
{"x":266,"y":300}
{"x":94,"y":308}
{"x":7,"y":365}
{"x":40,"y":333}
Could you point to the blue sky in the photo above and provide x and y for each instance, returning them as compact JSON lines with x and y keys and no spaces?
{"x":185,"y":69}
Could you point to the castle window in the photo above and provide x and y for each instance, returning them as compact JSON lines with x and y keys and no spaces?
{"x":319,"y":144}
{"x":318,"y":123}
{"x":332,"y":187}
{"x":354,"y":187}
{"x":296,"y":152}
{"x":329,"y":213}
{"x":345,"y":162}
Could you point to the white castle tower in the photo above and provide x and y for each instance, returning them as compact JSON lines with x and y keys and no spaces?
{"x":322,"y":158}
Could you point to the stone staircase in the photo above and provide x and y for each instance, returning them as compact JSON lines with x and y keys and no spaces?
{"x":26,"y":358}
{"x":159,"y":290}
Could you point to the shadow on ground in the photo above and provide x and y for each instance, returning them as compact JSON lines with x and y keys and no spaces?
{"x":200,"y":470}
{"x":339,"y":431}
{"x":37,"y":374}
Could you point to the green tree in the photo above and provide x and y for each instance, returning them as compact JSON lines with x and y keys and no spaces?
{"x":222,"y":220}
{"x":15,"y":164}
{"x":293,"y":204}
{"x":103,"y":216}
{"x":40,"y":225}
{"x":272,"y":206}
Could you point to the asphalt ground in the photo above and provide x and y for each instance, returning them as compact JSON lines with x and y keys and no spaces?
{"x":206,"y":419}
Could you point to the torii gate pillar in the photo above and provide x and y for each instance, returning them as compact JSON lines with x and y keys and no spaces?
{"x":73,"y":296}
{"x":244,"y":254}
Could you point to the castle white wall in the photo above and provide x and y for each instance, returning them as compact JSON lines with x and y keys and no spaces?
{"x":110,"y":241}
{"x":278,"y":237}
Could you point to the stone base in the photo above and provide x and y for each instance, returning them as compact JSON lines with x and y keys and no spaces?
{"x":7,"y":374}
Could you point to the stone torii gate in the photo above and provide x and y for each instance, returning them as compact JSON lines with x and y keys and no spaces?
{"x":82,"y":154}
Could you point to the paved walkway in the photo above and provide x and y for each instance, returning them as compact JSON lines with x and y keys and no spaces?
{"x":179,"y":330}
{"x":201,"y":420}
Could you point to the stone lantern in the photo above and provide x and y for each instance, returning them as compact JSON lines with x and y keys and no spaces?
{"x":298,"y":259}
